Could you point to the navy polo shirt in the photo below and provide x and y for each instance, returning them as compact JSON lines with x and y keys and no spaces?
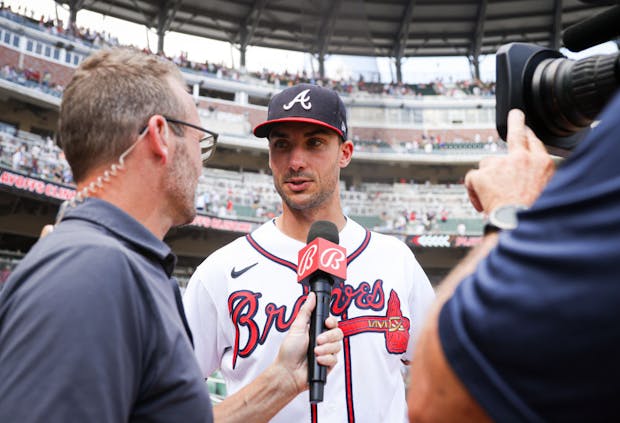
{"x":90,"y":330}
{"x":533,"y":332}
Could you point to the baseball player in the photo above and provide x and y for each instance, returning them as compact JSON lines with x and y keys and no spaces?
{"x":243,"y":298}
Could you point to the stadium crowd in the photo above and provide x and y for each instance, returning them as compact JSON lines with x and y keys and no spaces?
{"x":32,"y":79}
{"x":344,"y":86}
{"x":33,"y":155}
{"x":403,"y":207}
{"x":222,"y":195}
{"x":431,"y":144}
{"x":57,"y":27}
{"x":392,"y":89}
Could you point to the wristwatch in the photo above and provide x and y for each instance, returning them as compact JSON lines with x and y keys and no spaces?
{"x":503,"y":217}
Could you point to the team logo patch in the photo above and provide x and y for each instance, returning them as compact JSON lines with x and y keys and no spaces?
{"x":397,"y":336}
{"x":394,"y":326}
{"x":303,"y":98}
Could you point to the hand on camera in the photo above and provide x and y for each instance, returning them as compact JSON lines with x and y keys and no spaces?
{"x":516,"y":178}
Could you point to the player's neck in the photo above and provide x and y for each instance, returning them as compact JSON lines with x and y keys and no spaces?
{"x":296,"y":223}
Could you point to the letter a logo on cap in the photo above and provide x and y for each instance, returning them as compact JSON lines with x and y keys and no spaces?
{"x":302,"y":98}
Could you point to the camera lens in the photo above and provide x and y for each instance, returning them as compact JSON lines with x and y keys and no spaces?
{"x":566,"y":95}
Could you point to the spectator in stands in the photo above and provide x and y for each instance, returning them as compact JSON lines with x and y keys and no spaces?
{"x":67,"y":176}
{"x":259,"y":212}
{"x":91,"y":324}
{"x":207,"y":195}
{"x":34,"y":165}
{"x":443,"y":213}
{"x":49,"y":143}
{"x":400,"y":222}
{"x":245,"y":293}
{"x":58,"y":173}
{"x":230,"y":210}
{"x":19,"y":157}
{"x":46,"y":172}
{"x":216,"y":202}
{"x":6,"y":72}
{"x":47,"y":79}
{"x":525,"y":328}
{"x":200,"y":202}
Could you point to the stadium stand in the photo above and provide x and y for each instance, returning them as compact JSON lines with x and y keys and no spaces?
{"x":436,"y":117}
{"x":413,"y":143}
{"x":251,"y":196}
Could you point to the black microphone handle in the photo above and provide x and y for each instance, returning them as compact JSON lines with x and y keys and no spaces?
{"x":321,"y":285}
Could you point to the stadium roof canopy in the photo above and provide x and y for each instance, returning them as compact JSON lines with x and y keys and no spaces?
{"x":385,"y":28}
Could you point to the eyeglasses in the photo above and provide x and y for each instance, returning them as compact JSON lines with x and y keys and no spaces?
{"x":207,"y":142}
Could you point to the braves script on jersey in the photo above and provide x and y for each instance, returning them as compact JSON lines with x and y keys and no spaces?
{"x":239,"y":313}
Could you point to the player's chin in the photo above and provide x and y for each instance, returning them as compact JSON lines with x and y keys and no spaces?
{"x":301,"y":206}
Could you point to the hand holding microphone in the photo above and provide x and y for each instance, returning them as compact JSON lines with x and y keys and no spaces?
{"x":321,"y":263}
{"x":292,"y":363}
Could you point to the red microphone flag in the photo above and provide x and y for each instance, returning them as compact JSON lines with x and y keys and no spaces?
{"x":322,"y":255}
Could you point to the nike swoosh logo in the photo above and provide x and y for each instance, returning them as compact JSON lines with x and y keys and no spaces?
{"x":236,"y":273}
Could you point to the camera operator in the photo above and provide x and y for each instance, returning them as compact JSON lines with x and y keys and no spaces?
{"x":526,"y":327}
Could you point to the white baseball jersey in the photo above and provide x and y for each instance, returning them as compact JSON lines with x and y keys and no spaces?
{"x":243,"y":298}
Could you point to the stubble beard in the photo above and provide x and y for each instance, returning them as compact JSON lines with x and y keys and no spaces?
{"x":314,"y":201}
{"x":181,"y":186}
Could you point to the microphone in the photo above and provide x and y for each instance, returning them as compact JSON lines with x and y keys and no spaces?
{"x":593,"y":31}
{"x":321,"y":263}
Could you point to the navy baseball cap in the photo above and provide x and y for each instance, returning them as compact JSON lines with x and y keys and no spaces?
{"x":305,"y":103}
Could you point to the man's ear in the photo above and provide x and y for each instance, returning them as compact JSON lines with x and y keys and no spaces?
{"x":166,"y":131}
{"x":346,"y":153}
{"x":158,"y":138}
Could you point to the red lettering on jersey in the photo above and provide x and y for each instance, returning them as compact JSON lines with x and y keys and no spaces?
{"x":278,"y":314}
{"x":242,"y":306}
{"x":364,"y":297}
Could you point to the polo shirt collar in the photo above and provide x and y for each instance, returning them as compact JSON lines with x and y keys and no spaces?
{"x":115,"y":220}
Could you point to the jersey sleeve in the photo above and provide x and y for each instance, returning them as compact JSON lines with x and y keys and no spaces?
{"x":203,"y":316}
{"x":70,"y":334}
{"x":421,"y":297}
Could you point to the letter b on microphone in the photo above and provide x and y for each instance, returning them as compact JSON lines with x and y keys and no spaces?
{"x":322,"y":255}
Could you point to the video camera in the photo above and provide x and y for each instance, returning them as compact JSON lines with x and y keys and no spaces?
{"x":560,"y":97}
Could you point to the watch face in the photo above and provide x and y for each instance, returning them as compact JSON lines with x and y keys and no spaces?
{"x":505,"y":217}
